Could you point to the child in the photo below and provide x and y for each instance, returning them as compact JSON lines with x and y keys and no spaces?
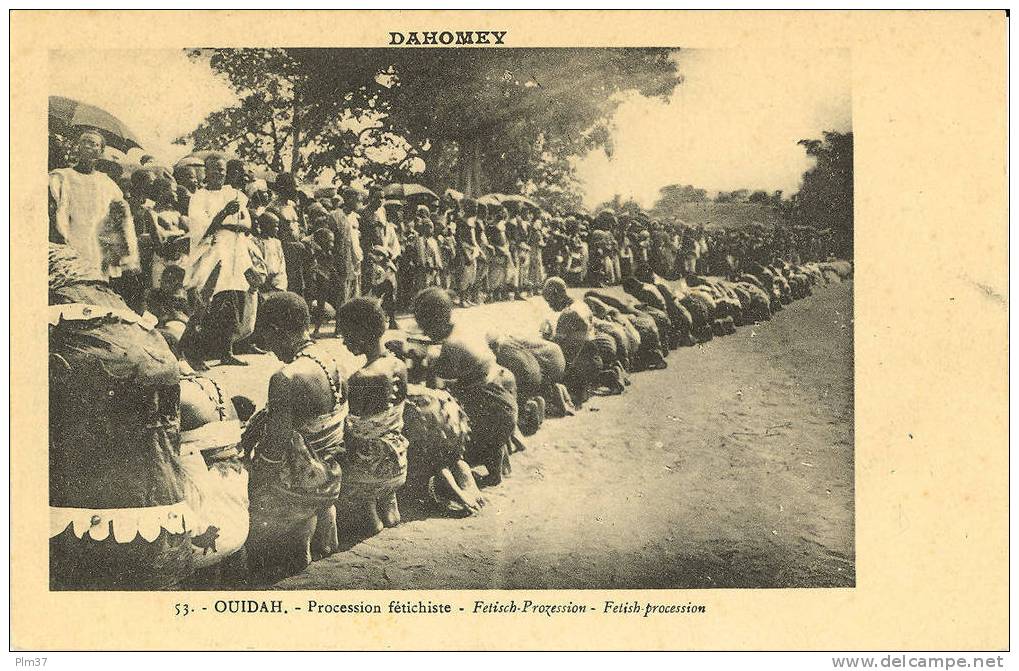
{"x":266,"y":229}
{"x":169,"y":304}
{"x":375,"y":463}
{"x":319,"y":278}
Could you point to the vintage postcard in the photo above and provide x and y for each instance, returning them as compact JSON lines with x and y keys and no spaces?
{"x":442,"y":330}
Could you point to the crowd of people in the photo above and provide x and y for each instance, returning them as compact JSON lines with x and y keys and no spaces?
{"x":160,"y":478}
{"x":198,"y":243}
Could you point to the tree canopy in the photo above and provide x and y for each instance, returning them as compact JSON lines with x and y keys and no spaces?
{"x":476,"y":119}
{"x":825,"y":198}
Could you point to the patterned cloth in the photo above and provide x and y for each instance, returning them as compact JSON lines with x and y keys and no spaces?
{"x":437,"y":430}
{"x":376,"y":454}
{"x":491,"y":406}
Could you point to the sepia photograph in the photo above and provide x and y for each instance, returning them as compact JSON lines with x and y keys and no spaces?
{"x":450,"y":318}
{"x":510,"y":330}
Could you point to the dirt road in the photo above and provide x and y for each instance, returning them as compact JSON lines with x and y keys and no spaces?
{"x":732,"y":468}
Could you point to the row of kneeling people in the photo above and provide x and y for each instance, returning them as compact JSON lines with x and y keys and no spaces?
{"x":161,"y":479}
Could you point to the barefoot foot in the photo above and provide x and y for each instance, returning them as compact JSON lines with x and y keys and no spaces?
{"x":389,"y":510}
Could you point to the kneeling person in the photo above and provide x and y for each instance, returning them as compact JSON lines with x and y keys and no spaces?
{"x":375,"y":464}
{"x":297,"y":443}
{"x":486,"y":391}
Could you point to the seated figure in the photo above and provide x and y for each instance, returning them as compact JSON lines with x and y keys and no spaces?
{"x":484,"y":389}
{"x":375,"y":462}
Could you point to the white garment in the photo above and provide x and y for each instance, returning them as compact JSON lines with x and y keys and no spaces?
{"x":390,"y":238}
{"x":354,"y":226}
{"x":275,"y":263}
{"x":106,"y":243}
{"x":206,"y":204}
{"x":233,"y":253}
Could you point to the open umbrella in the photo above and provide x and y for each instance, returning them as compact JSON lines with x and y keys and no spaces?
{"x":408,"y":191}
{"x":67,"y":114}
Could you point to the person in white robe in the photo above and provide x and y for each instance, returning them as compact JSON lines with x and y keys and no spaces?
{"x":224,"y":271}
{"x":88,"y":212}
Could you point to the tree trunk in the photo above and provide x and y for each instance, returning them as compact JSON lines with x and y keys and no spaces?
{"x":469,"y":174}
{"x":295,"y":136}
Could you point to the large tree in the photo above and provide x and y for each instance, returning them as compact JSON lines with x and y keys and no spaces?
{"x":496,"y":114}
{"x":825,"y":198}
{"x":476,"y":119}
{"x":295,"y":116}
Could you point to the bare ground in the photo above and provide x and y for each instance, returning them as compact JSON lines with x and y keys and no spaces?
{"x":732,"y":468}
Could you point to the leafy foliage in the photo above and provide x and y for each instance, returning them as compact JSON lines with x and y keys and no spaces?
{"x":477,"y":119}
{"x":618,"y":205}
{"x":825,"y":199}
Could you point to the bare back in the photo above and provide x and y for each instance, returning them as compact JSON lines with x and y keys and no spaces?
{"x":378,"y":386}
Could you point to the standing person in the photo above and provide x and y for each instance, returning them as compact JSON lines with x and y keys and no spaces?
{"x":411,"y":261}
{"x":481,"y":293}
{"x":428,"y":250}
{"x":446,"y":236}
{"x":375,"y":462}
{"x":140,"y":199}
{"x":296,"y":257}
{"x":624,"y":240}
{"x":702,"y":251}
{"x":466,"y":260}
{"x":295,"y":445}
{"x":537,"y":238}
{"x":383,"y":256}
{"x":577,"y":256}
{"x":512,"y":226}
{"x":321,"y":282}
{"x":224,"y":265}
{"x":168,"y":228}
{"x":349,"y":255}
{"x":266,"y":232}
{"x":688,"y":250}
{"x":500,"y":269}
{"x":88,"y":212}
{"x":445,"y":232}
{"x":284,"y":201}
{"x":391,"y":244}
{"x":485,"y":390}
{"x":187,"y":184}
{"x":522,"y":253}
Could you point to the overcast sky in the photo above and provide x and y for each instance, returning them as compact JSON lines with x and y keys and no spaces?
{"x":733,"y":123}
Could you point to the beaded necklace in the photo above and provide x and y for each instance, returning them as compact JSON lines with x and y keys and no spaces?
{"x":305,"y":354}
{"x":216,"y":397}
